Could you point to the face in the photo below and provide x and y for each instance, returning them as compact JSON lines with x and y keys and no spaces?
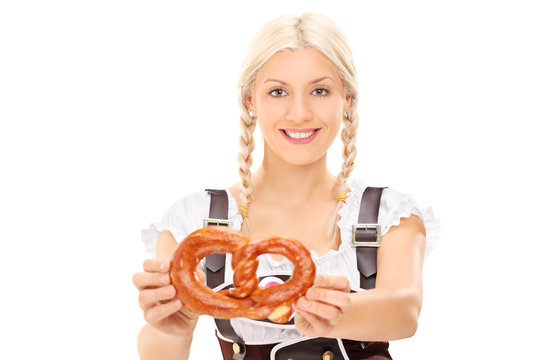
{"x":299,"y":102}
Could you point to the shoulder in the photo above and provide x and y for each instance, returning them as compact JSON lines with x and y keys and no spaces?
{"x":398,"y":210}
{"x":411,"y":227}
{"x":190,"y":202}
{"x":180,"y":219}
{"x":392,"y":203}
{"x":234,"y":190}
{"x":188,"y":211}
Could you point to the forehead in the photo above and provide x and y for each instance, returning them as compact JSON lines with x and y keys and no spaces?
{"x":304,"y":64}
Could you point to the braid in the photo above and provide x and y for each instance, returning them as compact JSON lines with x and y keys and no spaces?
{"x":247,"y":144}
{"x":348,"y":136}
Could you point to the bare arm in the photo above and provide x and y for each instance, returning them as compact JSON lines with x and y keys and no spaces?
{"x":388,"y":312}
{"x":155,"y":344}
{"x":169,"y":329}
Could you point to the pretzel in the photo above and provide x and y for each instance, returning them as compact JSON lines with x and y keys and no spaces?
{"x":246,"y":298}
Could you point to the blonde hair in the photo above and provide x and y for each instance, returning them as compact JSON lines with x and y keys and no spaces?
{"x":289,"y":33}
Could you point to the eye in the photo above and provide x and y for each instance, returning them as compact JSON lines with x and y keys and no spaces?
{"x":277,"y":92}
{"x":321,"y":91}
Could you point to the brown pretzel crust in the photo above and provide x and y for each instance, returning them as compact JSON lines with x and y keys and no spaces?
{"x":246,"y":299}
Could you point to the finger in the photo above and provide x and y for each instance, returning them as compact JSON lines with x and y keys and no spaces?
{"x":201,"y":276}
{"x":150,"y":280}
{"x":159,"y":312}
{"x":336,"y":282}
{"x":339,"y":299}
{"x":327,"y":312}
{"x":317,"y":324}
{"x":150,"y":297}
{"x":153,"y":265}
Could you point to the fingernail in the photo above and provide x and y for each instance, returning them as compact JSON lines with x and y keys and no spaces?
{"x":164,"y":279}
{"x":320,"y":280}
{"x":162,"y":266}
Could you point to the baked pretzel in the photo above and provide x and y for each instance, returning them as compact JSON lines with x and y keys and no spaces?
{"x":246,"y":299}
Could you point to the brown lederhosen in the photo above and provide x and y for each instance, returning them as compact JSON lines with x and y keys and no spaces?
{"x":366,"y":240}
{"x":311,"y":350}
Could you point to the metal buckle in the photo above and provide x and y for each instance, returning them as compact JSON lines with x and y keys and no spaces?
{"x":219,"y":222}
{"x":375,"y":227}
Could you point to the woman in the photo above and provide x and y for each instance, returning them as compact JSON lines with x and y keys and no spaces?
{"x":298,"y":83}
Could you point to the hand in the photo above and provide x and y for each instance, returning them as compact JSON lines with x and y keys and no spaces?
{"x":323,"y":306}
{"x":157,"y":298}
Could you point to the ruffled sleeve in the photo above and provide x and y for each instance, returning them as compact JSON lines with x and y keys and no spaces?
{"x":395,"y":205}
{"x":181,"y":219}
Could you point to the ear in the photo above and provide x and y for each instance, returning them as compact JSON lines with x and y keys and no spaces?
{"x":348,"y":101}
{"x":249,"y":101}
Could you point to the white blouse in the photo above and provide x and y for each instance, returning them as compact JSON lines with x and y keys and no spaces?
{"x":187,"y":214}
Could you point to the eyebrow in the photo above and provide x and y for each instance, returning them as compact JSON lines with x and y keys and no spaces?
{"x":313,"y":82}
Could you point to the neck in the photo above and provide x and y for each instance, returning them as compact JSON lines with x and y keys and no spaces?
{"x":279,"y":181}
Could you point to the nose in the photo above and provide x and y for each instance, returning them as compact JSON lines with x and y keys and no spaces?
{"x":299,"y":109}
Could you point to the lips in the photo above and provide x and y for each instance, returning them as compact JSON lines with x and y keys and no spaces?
{"x":299,"y":136}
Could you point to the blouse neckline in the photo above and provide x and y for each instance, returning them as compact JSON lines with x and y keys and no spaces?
{"x":347,"y":212}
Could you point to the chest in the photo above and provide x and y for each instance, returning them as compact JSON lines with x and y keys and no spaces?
{"x":307,"y":224}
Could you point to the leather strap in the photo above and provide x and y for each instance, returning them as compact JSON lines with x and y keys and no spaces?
{"x":215,"y":263}
{"x":215,"y":267}
{"x":253,"y":352}
{"x":311,"y":349}
{"x":366,"y":257}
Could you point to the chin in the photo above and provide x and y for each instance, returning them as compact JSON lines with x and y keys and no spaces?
{"x":303,"y":160}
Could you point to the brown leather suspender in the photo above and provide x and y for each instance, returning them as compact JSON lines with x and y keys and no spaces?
{"x":215,"y":265}
{"x":367,"y":236}
{"x":219,"y":210}
{"x":366,"y":240}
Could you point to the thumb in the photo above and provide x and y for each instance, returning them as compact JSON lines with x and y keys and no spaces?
{"x":200,"y":275}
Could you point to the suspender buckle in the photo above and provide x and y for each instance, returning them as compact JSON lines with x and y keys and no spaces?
{"x":366,"y":235}
{"x":219,"y":222}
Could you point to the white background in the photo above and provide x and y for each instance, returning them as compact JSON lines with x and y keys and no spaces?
{"x":112,"y":110}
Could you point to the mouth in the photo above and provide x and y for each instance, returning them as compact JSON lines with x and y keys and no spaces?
{"x":299,"y":136}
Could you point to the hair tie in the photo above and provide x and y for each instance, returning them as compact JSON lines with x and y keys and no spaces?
{"x":244,"y":211}
{"x":342,"y":196}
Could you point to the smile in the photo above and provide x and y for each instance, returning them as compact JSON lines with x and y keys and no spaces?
{"x":299,"y":136}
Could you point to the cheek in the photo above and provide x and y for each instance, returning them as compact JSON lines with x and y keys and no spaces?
{"x":267,"y":123}
{"x":336,"y":128}
{"x":272,"y":111}
{"x":265,"y":126}
{"x":269,"y":106}
{"x":329,"y":112}
{"x":333,"y":134}
{"x":333,"y":119}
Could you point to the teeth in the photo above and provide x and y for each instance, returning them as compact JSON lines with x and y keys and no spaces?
{"x":298,"y":135}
